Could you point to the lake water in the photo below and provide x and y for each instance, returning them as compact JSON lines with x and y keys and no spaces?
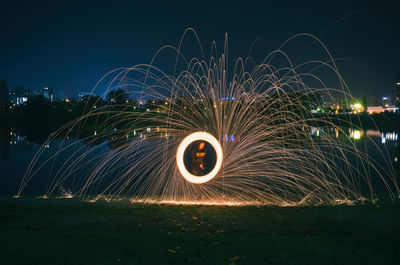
{"x":18,"y":150}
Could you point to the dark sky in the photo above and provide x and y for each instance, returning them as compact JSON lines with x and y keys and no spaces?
{"x":70,"y":45}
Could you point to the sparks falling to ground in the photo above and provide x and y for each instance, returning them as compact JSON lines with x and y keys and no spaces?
{"x":259,"y":112}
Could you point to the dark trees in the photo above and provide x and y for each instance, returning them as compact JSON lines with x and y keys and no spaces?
{"x":4,"y":96}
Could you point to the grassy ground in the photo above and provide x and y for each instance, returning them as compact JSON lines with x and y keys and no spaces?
{"x":62,"y":231}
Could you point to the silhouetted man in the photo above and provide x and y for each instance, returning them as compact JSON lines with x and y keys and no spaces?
{"x":198,"y":160}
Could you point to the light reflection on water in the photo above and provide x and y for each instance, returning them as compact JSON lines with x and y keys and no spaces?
{"x":17,"y":149}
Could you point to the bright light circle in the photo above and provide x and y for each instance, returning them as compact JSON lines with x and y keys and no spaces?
{"x":181,"y":150}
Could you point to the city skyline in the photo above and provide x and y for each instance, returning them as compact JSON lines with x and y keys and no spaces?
{"x":70,"y":46}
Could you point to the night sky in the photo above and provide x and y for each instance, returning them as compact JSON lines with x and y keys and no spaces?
{"x":70,"y":45}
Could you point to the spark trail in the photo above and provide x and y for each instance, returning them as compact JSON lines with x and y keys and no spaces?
{"x":260,"y":114}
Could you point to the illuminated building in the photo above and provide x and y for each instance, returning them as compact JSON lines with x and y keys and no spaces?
{"x":356,"y":134}
{"x":82,"y":95}
{"x":386,"y":101}
{"x":357,"y":108}
{"x":21,"y":100}
{"x":377,"y":109}
{"x":47,"y":93}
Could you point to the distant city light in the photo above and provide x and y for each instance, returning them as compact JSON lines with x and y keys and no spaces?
{"x":391,"y":136}
{"x":357,"y":108}
{"x":356,"y":134}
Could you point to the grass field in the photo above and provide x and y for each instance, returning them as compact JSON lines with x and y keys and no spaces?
{"x":68,"y":231}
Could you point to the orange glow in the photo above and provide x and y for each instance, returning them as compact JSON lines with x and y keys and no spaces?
{"x":182,"y":148}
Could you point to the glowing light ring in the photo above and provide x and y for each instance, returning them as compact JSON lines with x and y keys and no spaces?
{"x":181,"y":150}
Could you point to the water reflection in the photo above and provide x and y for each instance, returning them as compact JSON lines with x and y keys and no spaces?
{"x":356,"y":134}
{"x":13,"y":142}
{"x":230,"y":138}
{"x":21,"y":141}
{"x":317,"y":131}
{"x":396,"y":157}
{"x":392,"y":136}
{"x":18,"y":148}
{"x":5,"y":139}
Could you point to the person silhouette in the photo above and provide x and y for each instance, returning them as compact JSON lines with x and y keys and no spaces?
{"x":198,"y":159}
